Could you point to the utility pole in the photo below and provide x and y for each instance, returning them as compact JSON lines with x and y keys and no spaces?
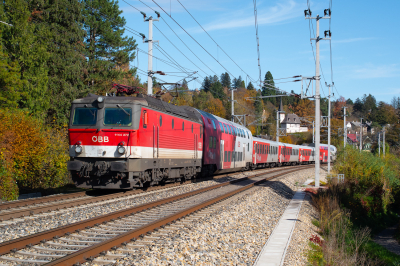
{"x":327,"y":14}
{"x":278,"y":119}
{"x":329,"y":127}
{"x":150,"y":52}
{"x":313,"y":132}
{"x":232,"y":105}
{"x":379,"y":143}
{"x":361,"y":135}
{"x":383,"y":142}
{"x":345,"y":126}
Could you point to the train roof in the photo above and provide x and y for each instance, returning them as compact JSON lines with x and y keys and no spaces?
{"x":187,"y":112}
{"x":220,"y":119}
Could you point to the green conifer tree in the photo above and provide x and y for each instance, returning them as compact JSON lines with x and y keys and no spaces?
{"x":107,"y":50}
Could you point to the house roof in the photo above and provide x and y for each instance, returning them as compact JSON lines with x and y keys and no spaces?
{"x":291,"y":119}
{"x":352,"y":137}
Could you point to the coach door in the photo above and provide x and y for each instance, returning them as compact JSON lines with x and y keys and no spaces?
{"x":221,"y":152}
{"x":155,"y":141}
{"x":244,"y":155}
{"x":255,"y":153}
{"x":195,"y":146}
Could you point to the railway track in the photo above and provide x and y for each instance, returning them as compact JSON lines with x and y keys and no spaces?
{"x":85,"y":240}
{"x":23,"y":208}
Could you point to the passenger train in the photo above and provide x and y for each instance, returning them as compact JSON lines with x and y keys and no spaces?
{"x":128,"y":142}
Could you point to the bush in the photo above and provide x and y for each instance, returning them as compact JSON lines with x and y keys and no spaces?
{"x":35,"y":156}
{"x":371,"y":180}
{"x":342,"y":244}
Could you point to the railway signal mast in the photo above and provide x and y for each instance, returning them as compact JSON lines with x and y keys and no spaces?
{"x":327,"y":15}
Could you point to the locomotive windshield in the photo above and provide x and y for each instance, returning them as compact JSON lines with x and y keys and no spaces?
{"x":118,"y":116}
{"x":85,"y":116}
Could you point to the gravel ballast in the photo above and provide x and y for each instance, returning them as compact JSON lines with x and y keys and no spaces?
{"x":12,"y":229}
{"x":230,"y":233}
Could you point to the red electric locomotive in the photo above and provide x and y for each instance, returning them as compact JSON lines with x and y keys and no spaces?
{"x":126,"y":142}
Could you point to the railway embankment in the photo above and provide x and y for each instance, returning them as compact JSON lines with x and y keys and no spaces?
{"x":231,"y":232}
{"x":352,"y":213}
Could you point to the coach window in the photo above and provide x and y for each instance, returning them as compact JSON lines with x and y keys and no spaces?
{"x":248,"y":146}
{"x":226,"y":130}
{"x":210,"y":143}
{"x":229,"y":156}
{"x":222,"y":128}
{"x":215,"y":128}
{"x":160,"y":120}
{"x":225,"y":155}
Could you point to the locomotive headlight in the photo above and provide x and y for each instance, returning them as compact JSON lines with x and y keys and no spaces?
{"x":78,"y":149}
{"x":100,"y":99}
{"x":121,"y":150}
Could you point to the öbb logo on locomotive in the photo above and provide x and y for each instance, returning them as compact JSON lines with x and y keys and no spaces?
{"x":100,"y":139}
{"x":154,"y":142}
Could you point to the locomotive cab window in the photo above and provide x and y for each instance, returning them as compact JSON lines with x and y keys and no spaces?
{"x":183,"y":126}
{"x":118,"y":116}
{"x":192,"y":128}
{"x":172,"y":123}
{"x":85,"y":116}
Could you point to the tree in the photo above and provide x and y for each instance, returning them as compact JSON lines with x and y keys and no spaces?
{"x":206,"y":85}
{"x":10,"y":80}
{"x":395,"y":102}
{"x":27,"y":47}
{"x":242,"y":84}
{"x":349,"y":101}
{"x":250,"y":86}
{"x":66,"y":64}
{"x":268,"y":89}
{"x":339,"y":104}
{"x":385,"y":114}
{"x":324,"y":106}
{"x":185,"y":84}
{"x":216,"y":88}
{"x":108,"y":52}
{"x":225,"y":80}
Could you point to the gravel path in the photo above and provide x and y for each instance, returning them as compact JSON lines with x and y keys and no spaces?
{"x":386,"y":240}
{"x":16,"y":228}
{"x":232,"y":232}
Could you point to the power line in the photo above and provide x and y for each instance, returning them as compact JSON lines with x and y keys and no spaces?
{"x":158,"y":47}
{"x":180,"y":50}
{"x":257,"y":39}
{"x":193,"y":39}
{"x":215,"y":41}
{"x":188,"y":47}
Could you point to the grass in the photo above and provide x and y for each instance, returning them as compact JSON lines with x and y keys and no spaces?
{"x":376,"y":251}
{"x":321,"y":183}
{"x":347,"y":241}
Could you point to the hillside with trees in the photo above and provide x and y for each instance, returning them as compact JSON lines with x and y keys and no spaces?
{"x":52,"y":52}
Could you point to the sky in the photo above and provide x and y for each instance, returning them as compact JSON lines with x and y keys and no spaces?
{"x":365,"y":44}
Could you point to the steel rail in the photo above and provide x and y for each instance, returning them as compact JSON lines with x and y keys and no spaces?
{"x":93,"y":251}
{"x":12,"y":214}
{"x":27,"y":241}
{"x":26,"y":202}
{"x":62,"y":205}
